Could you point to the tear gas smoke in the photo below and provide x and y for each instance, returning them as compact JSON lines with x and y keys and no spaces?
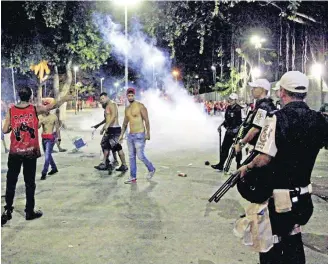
{"x":176,"y":122}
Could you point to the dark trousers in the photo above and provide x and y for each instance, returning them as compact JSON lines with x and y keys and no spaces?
{"x":289,"y":250}
{"x":227,"y":143}
{"x":29,"y":168}
{"x":48,"y":146}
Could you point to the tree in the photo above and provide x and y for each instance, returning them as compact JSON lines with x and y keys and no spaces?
{"x":60,"y":32}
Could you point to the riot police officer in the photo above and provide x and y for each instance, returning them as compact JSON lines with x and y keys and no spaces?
{"x":231,"y":123}
{"x":289,"y":144}
{"x":263,"y":106}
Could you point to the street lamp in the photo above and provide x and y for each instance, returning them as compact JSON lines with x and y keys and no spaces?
{"x":317,"y":72}
{"x":257,"y":42}
{"x":76,"y":68}
{"x":101,"y":87}
{"x":256,"y":73}
{"x":175,"y":73}
{"x":213,"y":68}
{"x":126,"y":3}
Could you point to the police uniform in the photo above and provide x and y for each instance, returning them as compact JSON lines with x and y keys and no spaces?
{"x":231,"y":123}
{"x":293,"y":137}
{"x":256,"y":118}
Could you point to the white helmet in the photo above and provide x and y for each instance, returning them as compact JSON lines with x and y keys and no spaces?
{"x":233,"y":96}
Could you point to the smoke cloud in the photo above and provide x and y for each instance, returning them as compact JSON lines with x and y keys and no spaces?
{"x":176,"y":121}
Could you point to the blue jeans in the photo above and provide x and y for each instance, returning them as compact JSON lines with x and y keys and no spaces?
{"x":48,"y":145}
{"x":136,"y":146}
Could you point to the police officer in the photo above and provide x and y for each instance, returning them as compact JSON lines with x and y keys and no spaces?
{"x":263,"y":106}
{"x":290,"y":146}
{"x":231,"y":123}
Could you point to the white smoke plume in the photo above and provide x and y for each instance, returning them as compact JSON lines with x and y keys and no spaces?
{"x":177,"y":122}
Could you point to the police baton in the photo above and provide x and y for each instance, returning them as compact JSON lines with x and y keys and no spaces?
{"x":220,"y":140}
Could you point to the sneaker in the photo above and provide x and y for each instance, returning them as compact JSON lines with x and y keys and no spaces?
{"x":44,"y":176}
{"x":53,"y":171}
{"x":122,"y":168}
{"x":6,"y":216}
{"x":217,"y":167}
{"x":151,"y":174}
{"x":33,"y":215}
{"x":131,"y":181}
{"x":101,"y":166}
{"x":62,"y":150}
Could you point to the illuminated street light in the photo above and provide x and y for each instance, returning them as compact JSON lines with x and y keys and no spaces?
{"x":257,"y":42}
{"x":175,"y":73}
{"x":126,"y":3}
{"x":213,"y":68}
{"x":256,"y":73}
{"x":317,"y":72}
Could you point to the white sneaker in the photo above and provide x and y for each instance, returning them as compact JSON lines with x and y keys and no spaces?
{"x":151,"y":174}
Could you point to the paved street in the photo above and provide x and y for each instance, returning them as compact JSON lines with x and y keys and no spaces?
{"x":92,"y":217}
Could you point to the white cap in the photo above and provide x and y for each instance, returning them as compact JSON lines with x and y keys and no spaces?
{"x":277,"y":86}
{"x":293,"y":79}
{"x":233,"y":96}
{"x":263,"y":83}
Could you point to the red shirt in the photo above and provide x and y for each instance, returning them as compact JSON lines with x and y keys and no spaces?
{"x":24,"y":138}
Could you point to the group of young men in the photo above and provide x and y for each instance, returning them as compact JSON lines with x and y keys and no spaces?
{"x":23,"y":121}
{"x":136,"y":116}
{"x":286,"y":143}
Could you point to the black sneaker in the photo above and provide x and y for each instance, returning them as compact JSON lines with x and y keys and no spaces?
{"x":6,"y":216}
{"x":62,"y":150}
{"x":122,"y":168}
{"x":43,"y":176}
{"x":101,"y":166}
{"x":217,"y":167}
{"x":33,"y":215}
{"x":53,"y":171}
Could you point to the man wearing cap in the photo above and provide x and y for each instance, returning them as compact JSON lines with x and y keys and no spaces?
{"x":136,"y":116}
{"x":289,"y":143}
{"x":263,"y":106}
{"x":231,"y":122}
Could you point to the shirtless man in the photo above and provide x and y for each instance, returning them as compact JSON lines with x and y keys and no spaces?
{"x":136,"y":114}
{"x":61,"y":125}
{"x":112,"y":132}
{"x":50,"y":134}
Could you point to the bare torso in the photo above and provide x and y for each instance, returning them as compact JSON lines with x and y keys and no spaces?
{"x":133,"y":113}
{"x":112,"y":106}
{"x":48,"y":123}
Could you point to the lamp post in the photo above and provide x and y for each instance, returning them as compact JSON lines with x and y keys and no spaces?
{"x":256,"y":73}
{"x":317,"y":72}
{"x":116,"y":84}
{"x":257,"y":42}
{"x":76,"y":68}
{"x":175,"y":73}
{"x":213,"y":68}
{"x":126,"y":3}
{"x":101,"y":87}
{"x":13,"y":79}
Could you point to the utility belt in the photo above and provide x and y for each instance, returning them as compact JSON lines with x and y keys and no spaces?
{"x":283,"y":198}
{"x":254,"y":228}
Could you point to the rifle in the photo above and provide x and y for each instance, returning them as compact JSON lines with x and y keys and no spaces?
{"x":239,"y":136}
{"x":231,"y":181}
